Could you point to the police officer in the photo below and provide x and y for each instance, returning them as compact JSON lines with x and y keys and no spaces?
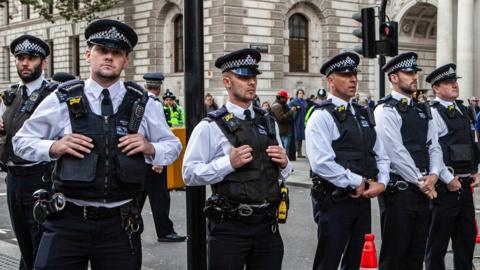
{"x":24,"y":176}
{"x":173,"y":112}
{"x":321,"y":96}
{"x":237,"y":150}
{"x":411,"y":142}
{"x":453,"y":215}
{"x":156,"y":180}
{"x":345,"y":156}
{"x":100,"y":132}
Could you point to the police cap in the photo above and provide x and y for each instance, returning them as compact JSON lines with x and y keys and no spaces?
{"x":27,"y":44}
{"x":406,"y":62}
{"x":443,"y":73}
{"x":153,"y":79}
{"x":346,"y":62}
{"x":111,"y":34}
{"x":243,"y":62}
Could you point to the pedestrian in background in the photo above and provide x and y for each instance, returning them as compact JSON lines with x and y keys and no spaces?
{"x":299,"y":120}
{"x":284,"y":116}
{"x":210,"y":104}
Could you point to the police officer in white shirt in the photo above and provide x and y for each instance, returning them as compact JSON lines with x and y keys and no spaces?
{"x":453,"y":216}
{"x":101,"y":132}
{"x":237,"y":150}
{"x":411,"y":142}
{"x":349,"y":165}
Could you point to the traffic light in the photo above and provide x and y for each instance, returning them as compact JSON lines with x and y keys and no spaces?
{"x":367,"y":33}
{"x":388,"y":43}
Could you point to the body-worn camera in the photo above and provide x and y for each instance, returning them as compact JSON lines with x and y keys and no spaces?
{"x":47,"y":204}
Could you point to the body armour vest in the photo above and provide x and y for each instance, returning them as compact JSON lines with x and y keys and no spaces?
{"x":354,"y":148}
{"x":458,"y":145}
{"x":105,"y":174}
{"x":414,"y":130}
{"x":19,"y":109}
{"x":257,"y":181}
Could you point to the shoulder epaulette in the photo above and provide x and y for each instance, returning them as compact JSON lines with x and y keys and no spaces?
{"x":388,"y":101}
{"x":68,"y":88}
{"x":218,"y":113}
{"x":325,"y":104}
{"x":260,"y":110}
{"x":51,"y":86}
{"x":434,"y":103}
{"x":136,"y":88}
{"x":459,"y":101}
{"x":155,"y":98}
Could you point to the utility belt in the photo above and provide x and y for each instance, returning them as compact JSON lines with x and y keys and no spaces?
{"x":22,"y":171}
{"x":321,"y":188}
{"x":218,"y":209}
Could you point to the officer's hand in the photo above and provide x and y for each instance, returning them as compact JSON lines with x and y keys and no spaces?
{"x":476,"y":180}
{"x":1,"y":124}
{"x":374,"y":189}
{"x":429,"y":182}
{"x":454,"y":185}
{"x":240,"y":156}
{"x":278,"y":155}
{"x":359,"y":191}
{"x":73,"y":144}
{"x":157,"y":168}
{"x":132,"y":144}
{"x":431,"y":194}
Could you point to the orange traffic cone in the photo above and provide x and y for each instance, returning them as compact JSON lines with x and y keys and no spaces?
{"x":369,"y":254}
{"x":477,"y":239}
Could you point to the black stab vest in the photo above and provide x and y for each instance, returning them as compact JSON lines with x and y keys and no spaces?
{"x":414,"y":130}
{"x":16,"y":113}
{"x":458,"y":145}
{"x":257,"y":181}
{"x":354,"y":148}
{"x":105,"y":174}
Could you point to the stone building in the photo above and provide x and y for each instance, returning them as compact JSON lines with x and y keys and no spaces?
{"x":295,"y":37}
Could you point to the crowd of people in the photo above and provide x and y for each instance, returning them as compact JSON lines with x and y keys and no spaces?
{"x":90,"y":153}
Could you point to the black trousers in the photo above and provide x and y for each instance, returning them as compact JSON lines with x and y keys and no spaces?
{"x":405,"y":219}
{"x":341,"y":233}
{"x":70,"y":242}
{"x":453,"y":217}
{"x":159,"y":198}
{"x":234,"y":245}
{"x":20,"y":207}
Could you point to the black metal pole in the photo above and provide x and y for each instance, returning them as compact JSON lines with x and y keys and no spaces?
{"x":194,"y":91}
{"x":381,"y":58}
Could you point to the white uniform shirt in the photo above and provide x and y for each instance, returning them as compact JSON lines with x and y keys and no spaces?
{"x":207,"y":159}
{"x":445,"y":175}
{"x":50,"y":122}
{"x":320,"y":132}
{"x":389,"y":124}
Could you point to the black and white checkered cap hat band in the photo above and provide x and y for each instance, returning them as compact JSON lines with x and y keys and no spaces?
{"x":447,"y":74}
{"x":111,"y":33}
{"x":347,"y":62}
{"x":404,"y":64}
{"x":248,"y":61}
{"x":29,"y":46}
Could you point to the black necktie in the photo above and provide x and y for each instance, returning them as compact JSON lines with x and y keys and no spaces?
{"x":107,"y":107}
{"x":23,"y":88}
{"x":248,"y":115}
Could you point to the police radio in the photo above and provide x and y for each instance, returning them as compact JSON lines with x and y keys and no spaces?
{"x":284,"y":204}
{"x":138,"y":110}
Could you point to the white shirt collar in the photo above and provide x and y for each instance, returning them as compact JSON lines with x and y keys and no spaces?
{"x":93,"y":89}
{"x":398,"y":96}
{"x":339,"y":102}
{"x":32,"y":86}
{"x":444,"y":103}
{"x":238,"y":111}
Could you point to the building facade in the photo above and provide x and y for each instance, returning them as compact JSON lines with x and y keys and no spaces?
{"x":294,"y":36}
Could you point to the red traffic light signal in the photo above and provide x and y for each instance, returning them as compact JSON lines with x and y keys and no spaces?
{"x":388,"y":43}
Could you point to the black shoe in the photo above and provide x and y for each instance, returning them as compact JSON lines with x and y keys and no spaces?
{"x":172,"y":237}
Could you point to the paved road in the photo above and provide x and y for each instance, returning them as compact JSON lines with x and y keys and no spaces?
{"x":299,"y":233}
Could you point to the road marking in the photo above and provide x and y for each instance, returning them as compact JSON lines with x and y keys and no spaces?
{"x":4,"y":231}
{"x":3,"y":194}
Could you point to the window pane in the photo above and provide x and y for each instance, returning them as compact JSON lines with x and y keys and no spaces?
{"x":298,"y":43}
{"x":178,"y":34}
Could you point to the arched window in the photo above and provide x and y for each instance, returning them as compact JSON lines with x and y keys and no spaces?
{"x":178,"y":40}
{"x":298,"y":43}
